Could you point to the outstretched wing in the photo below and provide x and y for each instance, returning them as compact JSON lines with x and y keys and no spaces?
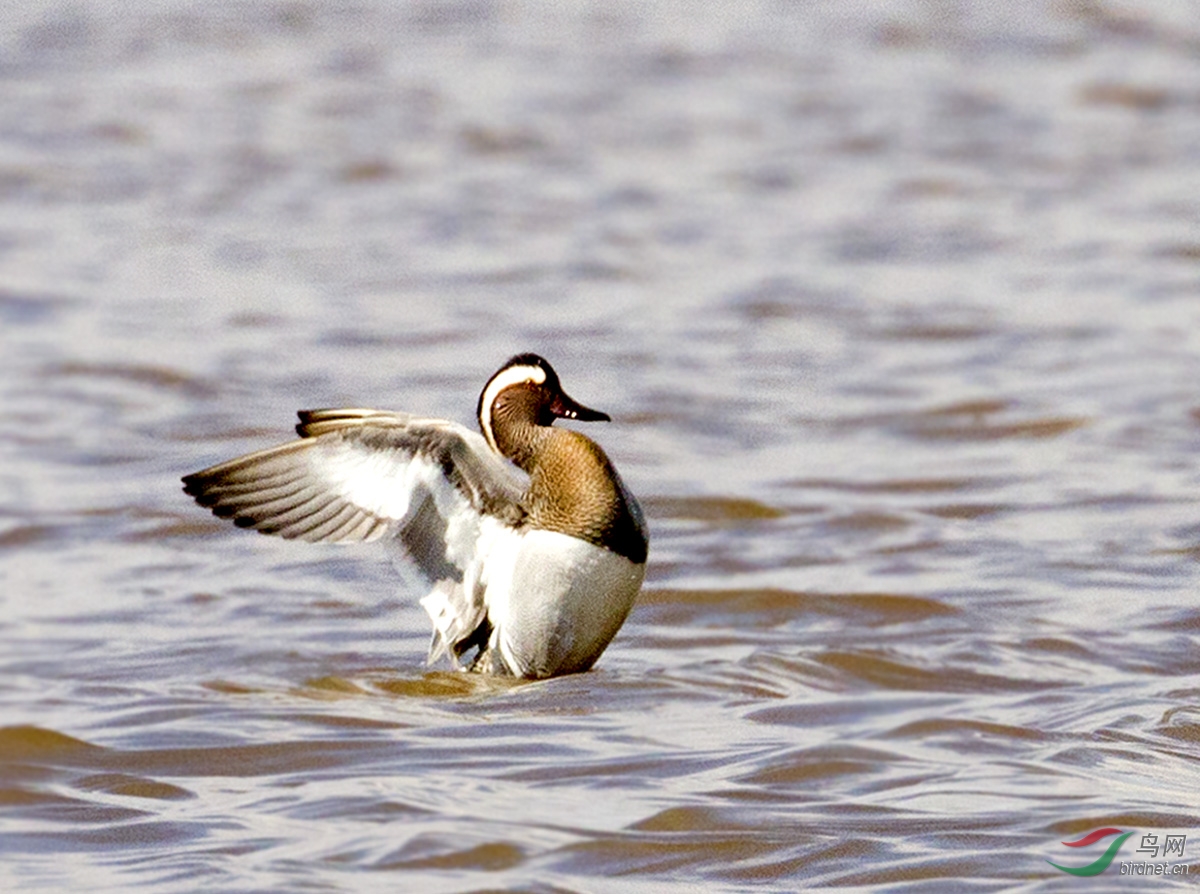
{"x":356,"y":475}
{"x":359,"y":475}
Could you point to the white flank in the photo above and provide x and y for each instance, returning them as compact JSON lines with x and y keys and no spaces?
{"x":559,"y":602}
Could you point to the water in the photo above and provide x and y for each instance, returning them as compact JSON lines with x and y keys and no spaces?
{"x":894,"y":307}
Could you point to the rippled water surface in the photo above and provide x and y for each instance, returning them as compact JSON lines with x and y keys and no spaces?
{"x":896,"y":308}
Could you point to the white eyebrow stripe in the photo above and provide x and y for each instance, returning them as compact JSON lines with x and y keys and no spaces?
{"x":506,"y":378}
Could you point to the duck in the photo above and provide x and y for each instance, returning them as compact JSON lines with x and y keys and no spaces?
{"x":533,"y":547}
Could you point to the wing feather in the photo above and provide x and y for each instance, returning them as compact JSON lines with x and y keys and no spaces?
{"x":434,"y":488}
{"x":356,"y":474}
{"x":325,"y":527}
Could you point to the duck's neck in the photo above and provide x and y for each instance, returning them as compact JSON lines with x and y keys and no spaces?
{"x":515,"y":427}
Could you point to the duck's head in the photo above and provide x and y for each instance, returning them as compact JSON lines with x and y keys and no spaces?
{"x":525,"y":391}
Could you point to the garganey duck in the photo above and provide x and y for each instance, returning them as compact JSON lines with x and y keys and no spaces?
{"x":534,"y":547}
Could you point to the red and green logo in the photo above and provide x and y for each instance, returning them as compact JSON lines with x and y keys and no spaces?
{"x":1106,"y":858}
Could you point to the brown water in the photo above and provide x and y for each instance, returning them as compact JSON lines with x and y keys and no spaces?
{"x":896,"y":308}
